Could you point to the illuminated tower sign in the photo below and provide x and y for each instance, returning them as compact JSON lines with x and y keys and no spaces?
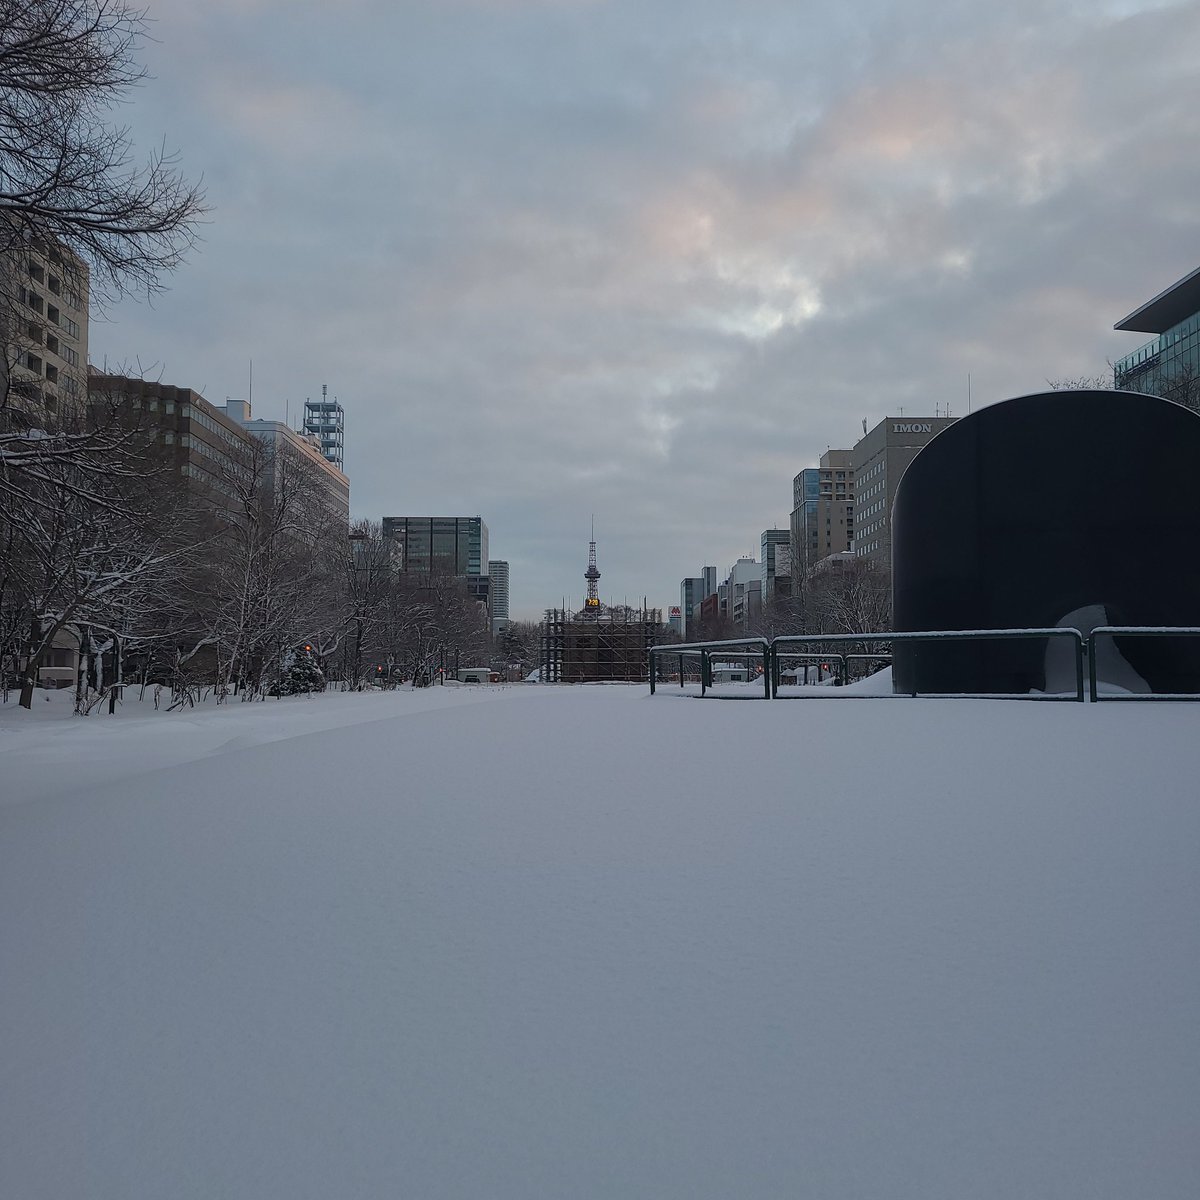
{"x":592,"y":574}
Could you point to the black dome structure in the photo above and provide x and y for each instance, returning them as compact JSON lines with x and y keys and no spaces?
{"x":1062,"y":508}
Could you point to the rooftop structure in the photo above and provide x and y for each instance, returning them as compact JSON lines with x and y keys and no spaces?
{"x":324,"y":420}
{"x":1169,"y":364}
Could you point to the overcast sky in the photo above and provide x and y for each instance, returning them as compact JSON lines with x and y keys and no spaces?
{"x":647,"y":260}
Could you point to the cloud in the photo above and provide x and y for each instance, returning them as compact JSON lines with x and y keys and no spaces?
{"x":650,"y":260}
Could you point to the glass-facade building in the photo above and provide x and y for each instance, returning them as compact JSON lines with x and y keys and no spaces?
{"x":1168,"y":365}
{"x":442,"y":546}
{"x":822,"y":521}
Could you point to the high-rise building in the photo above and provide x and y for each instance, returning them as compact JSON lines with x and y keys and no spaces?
{"x":498,"y":593}
{"x":1168,"y":365}
{"x":822,"y":520}
{"x":43,"y":327}
{"x":880,"y":459}
{"x":776,"y":553}
{"x":743,"y":591}
{"x":692,"y":592}
{"x":443,"y":546}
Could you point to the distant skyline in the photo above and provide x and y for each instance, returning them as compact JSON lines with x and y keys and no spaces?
{"x":647,"y":261}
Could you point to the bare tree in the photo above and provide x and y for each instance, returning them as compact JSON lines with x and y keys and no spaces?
{"x":1181,"y":384}
{"x":275,"y":559}
{"x":66,"y":173}
{"x":86,"y":555}
{"x":856,"y":597}
{"x":518,"y":645}
{"x":370,"y":570}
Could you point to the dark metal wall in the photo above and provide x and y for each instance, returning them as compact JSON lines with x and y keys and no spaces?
{"x":1025,"y":511}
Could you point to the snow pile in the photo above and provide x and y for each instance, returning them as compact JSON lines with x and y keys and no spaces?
{"x":541,"y":942}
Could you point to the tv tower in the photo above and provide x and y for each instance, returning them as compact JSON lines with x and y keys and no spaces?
{"x":592,"y":574}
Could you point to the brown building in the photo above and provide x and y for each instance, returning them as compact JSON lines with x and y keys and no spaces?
{"x":205,"y":448}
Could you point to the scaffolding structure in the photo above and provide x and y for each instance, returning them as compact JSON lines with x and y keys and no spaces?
{"x":602,"y":643}
{"x":598,"y":645}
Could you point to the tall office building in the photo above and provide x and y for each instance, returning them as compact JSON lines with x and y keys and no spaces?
{"x":1168,"y":365}
{"x":822,"y":520}
{"x":743,"y":592}
{"x":776,"y":563}
{"x":43,"y":325}
{"x":693,"y":591}
{"x":880,"y":459}
{"x":443,"y":546}
{"x":498,"y":593}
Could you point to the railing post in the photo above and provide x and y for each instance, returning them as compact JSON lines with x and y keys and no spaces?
{"x":1093,"y":689}
{"x":703,"y":672}
{"x":1079,"y":667}
{"x":768,"y":668}
{"x":681,"y":670}
{"x":652,"y":672}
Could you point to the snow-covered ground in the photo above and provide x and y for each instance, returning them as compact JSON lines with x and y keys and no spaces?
{"x":555,"y":942}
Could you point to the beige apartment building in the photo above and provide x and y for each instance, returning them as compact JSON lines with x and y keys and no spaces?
{"x":331,"y":483}
{"x":43,"y":327}
{"x":879,"y":460}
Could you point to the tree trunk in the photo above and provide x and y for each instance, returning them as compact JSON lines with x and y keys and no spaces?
{"x":33,"y":661}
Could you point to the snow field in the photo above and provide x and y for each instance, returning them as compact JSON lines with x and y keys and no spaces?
{"x":579,"y":942}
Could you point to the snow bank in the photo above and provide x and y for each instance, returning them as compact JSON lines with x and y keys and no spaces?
{"x":548,"y":942}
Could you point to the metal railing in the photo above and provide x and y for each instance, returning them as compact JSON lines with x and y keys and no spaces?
{"x":761,"y":651}
{"x":774,"y":650}
{"x":1140,"y":631}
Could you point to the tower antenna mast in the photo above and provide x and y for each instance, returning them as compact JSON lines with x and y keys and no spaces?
{"x":592,"y":574}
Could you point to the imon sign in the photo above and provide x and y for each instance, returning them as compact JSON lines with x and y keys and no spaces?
{"x":912,"y":427}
